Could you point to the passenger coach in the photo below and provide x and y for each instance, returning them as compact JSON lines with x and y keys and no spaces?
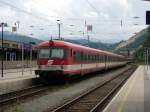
{"x":60,"y":58}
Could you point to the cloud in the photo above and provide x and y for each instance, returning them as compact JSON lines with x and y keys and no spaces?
{"x":104,"y":15}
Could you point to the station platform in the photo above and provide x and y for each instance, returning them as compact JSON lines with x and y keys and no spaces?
{"x":134,"y":96}
{"x":17,"y":74}
{"x":15,"y":79}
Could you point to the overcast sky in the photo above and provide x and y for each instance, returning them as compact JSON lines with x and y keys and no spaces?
{"x":38,"y":18}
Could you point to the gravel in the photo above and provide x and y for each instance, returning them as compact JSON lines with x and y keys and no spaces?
{"x":59,"y":94}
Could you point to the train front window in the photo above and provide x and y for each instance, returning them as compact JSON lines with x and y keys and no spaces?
{"x":57,"y":53}
{"x":44,"y":53}
{"x":52,"y":53}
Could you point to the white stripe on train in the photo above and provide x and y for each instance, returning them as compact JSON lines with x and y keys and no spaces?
{"x":79,"y":66}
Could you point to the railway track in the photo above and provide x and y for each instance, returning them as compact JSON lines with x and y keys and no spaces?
{"x":21,"y":94}
{"x":96,"y":99}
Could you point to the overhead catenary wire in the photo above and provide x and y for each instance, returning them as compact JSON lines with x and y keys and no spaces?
{"x":72,"y":19}
{"x":93,"y":7}
{"x":24,"y":11}
{"x":56,"y":17}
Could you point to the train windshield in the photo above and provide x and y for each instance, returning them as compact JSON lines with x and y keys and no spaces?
{"x":52,"y":53}
{"x":57,"y":53}
{"x":44,"y":53}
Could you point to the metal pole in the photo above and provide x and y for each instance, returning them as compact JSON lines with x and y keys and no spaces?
{"x":88,"y":37}
{"x":2,"y":25}
{"x":88,"y":40}
{"x":22,"y":58}
{"x":31,"y":60}
{"x":59,"y":31}
{"x":147,"y":58}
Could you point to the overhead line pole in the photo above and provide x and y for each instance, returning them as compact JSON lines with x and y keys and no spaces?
{"x":2,"y":68}
{"x":59,"y":31}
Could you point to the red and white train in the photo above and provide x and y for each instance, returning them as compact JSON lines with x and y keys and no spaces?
{"x":60,"y":58}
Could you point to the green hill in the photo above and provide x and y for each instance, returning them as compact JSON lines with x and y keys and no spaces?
{"x":96,"y":45}
{"x":140,"y":53}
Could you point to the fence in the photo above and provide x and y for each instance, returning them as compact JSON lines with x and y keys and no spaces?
{"x":18,"y":64}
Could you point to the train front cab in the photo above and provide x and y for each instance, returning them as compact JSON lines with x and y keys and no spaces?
{"x":52,"y":61}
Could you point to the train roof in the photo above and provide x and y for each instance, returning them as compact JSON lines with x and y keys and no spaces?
{"x":60,"y":43}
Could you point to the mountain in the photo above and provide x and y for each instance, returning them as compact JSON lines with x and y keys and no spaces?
{"x":133,"y":43}
{"x":27,"y":39}
{"x":140,"y":52}
{"x":19,"y":38}
{"x":96,"y":45}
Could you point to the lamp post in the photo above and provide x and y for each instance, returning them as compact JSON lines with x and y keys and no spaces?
{"x":2,"y":66}
{"x":31,"y":54}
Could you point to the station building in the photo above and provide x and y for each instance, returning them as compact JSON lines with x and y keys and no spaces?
{"x":13,"y":44}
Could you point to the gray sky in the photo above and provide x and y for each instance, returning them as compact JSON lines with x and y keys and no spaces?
{"x":104,"y":15}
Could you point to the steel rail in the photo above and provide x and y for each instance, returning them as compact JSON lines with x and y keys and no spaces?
{"x":15,"y":95}
{"x":65,"y":107}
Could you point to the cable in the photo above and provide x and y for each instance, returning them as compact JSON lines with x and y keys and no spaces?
{"x":70,"y":18}
{"x":26,"y":12}
{"x":91,"y":5}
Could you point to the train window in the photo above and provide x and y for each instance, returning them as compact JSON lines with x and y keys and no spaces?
{"x":104,"y":58}
{"x":84,"y":57}
{"x":74,"y":53}
{"x":100,"y":58}
{"x":44,"y":53}
{"x":57,"y":53}
{"x":91,"y":57}
{"x":95,"y":58}
{"x":88,"y":57}
{"x":71,"y":52}
{"x":87,"y":60}
{"x":77,"y":56}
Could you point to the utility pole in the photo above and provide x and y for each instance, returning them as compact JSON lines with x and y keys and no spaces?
{"x":2,"y":25}
{"x":88,"y":36}
{"x":89,"y":28}
{"x":22,"y":47}
{"x":2,"y":61}
{"x":31,"y":58}
{"x":59,"y":29}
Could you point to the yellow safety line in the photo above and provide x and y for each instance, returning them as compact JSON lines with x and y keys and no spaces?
{"x":122,"y":104}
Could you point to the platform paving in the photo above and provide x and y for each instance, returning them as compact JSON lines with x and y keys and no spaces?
{"x":17,"y":74}
{"x":134,"y":96}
